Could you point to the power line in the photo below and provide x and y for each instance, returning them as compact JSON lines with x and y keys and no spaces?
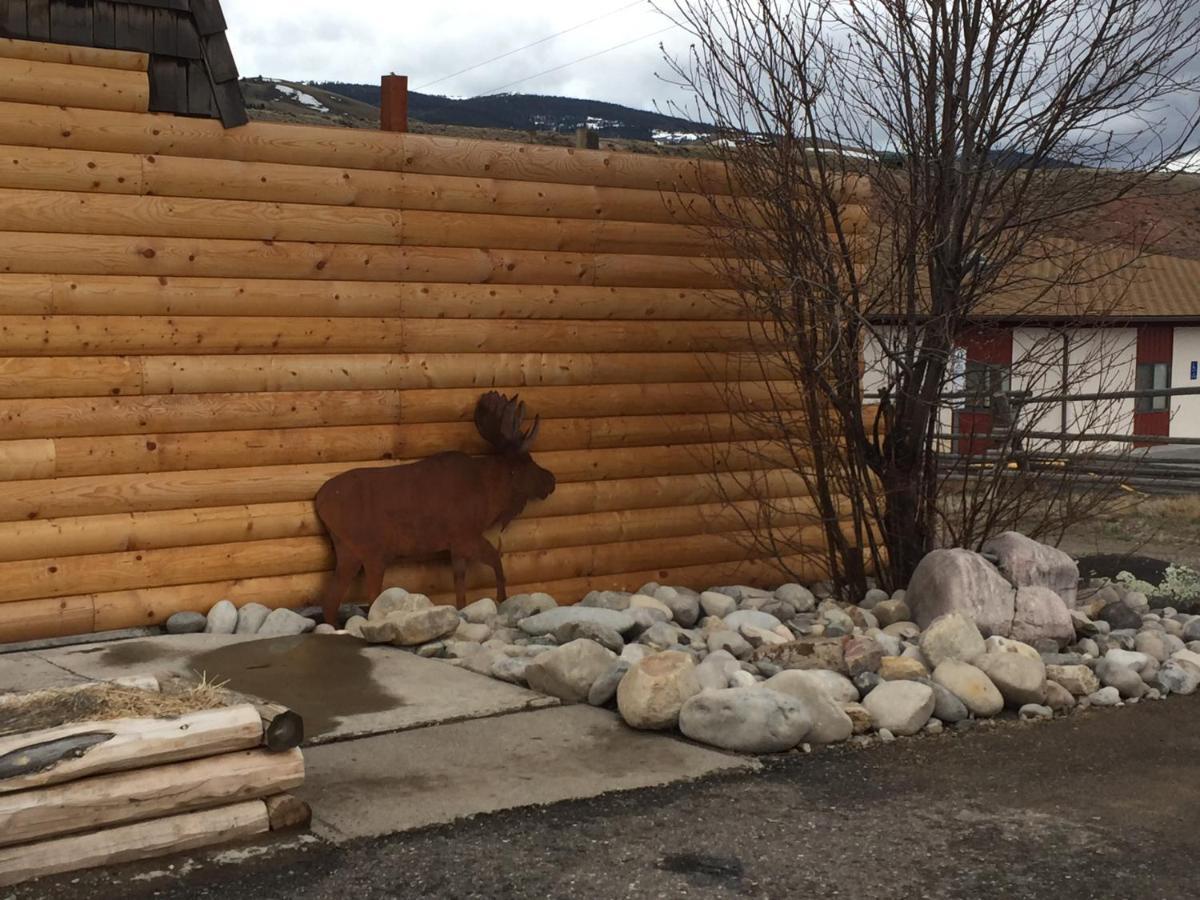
{"x":573,"y":62}
{"x":551,"y":37}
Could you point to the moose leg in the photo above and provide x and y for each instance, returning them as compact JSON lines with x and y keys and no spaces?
{"x":490,"y":555}
{"x":347,"y":567}
{"x":373,"y":576}
{"x":459,"y":564}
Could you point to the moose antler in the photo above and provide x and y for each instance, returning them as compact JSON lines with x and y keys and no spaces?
{"x":498,"y":420}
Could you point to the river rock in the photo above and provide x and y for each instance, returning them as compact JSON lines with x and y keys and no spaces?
{"x":837,"y":687}
{"x":1041,"y":614}
{"x":549,"y":621}
{"x":222,"y":618}
{"x":396,"y":599}
{"x":745,"y":720}
{"x":283,"y":622}
{"x":521,"y":606}
{"x":1131,"y":659}
{"x":960,"y":581}
{"x":830,"y":724}
{"x":970,"y":685}
{"x":901,"y":668}
{"x":616,"y":600}
{"x":481,"y":612}
{"x":902,"y":707}
{"x":946,"y":706}
{"x":1106,"y":696}
{"x":422,"y":625}
{"x":1028,"y":563}
{"x":860,"y":719}
{"x":862,"y":654}
{"x":952,"y":636}
{"x":997,"y":644}
{"x":1078,"y":680}
{"x":719,"y":605}
{"x":1035,"y":711}
{"x":186,"y":623}
{"x":468,"y":631}
{"x":888,"y":612}
{"x":1153,"y":644}
{"x":685,"y":608}
{"x":643,"y":601}
{"x":606,"y":637}
{"x":1179,"y":676}
{"x":250,"y":618}
{"x":805,"y":653}
{"x":735,"y":620}
{"x":568,"y":672}
{"x":354,"y":626}
{"x":1058,"y":698}
{"x":730,"y":641}
{"x":509,"y":668}
{"x":604,"y":688}
{"x":660,"y":636}
{"x":797,"y":596}
{"x":653,"y":690}
{"x":1127,"y":682}
{"x":1118,"y":615}
{"x":1019,"y":679}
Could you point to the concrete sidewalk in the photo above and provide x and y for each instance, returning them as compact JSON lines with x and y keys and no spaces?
{"x":393,"y":741}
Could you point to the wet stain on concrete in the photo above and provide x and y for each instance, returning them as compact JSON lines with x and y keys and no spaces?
{"x":323,"y":678}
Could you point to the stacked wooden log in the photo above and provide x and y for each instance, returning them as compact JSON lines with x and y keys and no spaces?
{"x":103,"y":792}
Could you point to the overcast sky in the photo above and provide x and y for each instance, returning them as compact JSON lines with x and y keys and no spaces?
{"x":359,"y":40}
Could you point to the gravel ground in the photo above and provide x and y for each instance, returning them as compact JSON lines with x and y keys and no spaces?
{"x":1099,"y":805}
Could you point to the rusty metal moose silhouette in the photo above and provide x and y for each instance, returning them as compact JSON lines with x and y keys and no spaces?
{"x":443,"y":503}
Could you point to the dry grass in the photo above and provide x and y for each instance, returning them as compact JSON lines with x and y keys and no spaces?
{"x":104,"y":700}
{"x":1166,"y":528}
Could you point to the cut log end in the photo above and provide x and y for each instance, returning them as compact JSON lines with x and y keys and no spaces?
{"x":287,"y":811}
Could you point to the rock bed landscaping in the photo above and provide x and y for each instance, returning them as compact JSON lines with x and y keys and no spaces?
{"x":758,"y":671}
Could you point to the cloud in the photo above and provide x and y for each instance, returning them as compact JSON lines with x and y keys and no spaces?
{"x":304,"y":40}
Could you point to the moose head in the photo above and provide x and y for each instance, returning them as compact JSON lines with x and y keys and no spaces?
{"x":441,"y":504}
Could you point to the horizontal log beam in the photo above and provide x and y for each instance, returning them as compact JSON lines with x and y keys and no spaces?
{"x":31,"y":81}
{"x":107,"y":494}
{"x":152,"y":452}
{"x":133,"y":295}
{"x":68,"y":54}
{"x":25,"y":252}
{"x":74,"y":212}
{"x":146,"y":793}
{"x":28,"y":760}
{"x":113,"y":533}
{"x":573,"y":535}
{"x":85,"y":416}
{"x":118,"y":335}
{"x":139,"y":840}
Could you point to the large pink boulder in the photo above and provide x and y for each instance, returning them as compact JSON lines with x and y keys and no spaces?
{"x":961,"y":581}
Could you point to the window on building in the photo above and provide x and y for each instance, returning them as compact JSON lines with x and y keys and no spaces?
{"x":1153,"y":377}
{"x":982,"y":381}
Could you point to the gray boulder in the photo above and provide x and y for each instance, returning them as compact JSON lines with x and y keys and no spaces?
{"x":250,"y":618}
{"x":800,"y":598}
{"x":684,"y":607}
{"x":766,"y":621}
{"x":396,"y":599}
{"x":730,"y":641}
{"x":719,"y":605}
{"x":655,"y":688}
{"x":1041,"y":614}
{"x":618,"y":600}
{"x":1179,"y":676}
{"x":953,"y":636}
{"x":568,"y":672}
{"x":604,"y":688}
{"x":1028,"y":563}
{"x":283,"y":622}
{"x":830,"y":722}
{"x":186,"y":623}
{"x":1127,"y":682}
{"x":837,"y":687}
{"x":481,"y":612}
{"x":222,"y":618}
{"x":606,"y":637}
{"x":959,"y":581}
{"x":946,"y":706}
{"x":521,"y":606}
{"x":551,"y":620}
{"x":1120,"y":616}
{"x":902,"y":707}
{"x":1019,"y":678}
{"x":745,"y":720}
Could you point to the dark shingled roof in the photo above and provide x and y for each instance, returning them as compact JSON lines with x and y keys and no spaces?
{"x":192,"y":71}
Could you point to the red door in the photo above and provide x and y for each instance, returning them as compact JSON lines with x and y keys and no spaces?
{"x":1152,"y":415}
{"x":989,"y":363}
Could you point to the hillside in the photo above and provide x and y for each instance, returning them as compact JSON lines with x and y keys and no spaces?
{"x":527,"y":118}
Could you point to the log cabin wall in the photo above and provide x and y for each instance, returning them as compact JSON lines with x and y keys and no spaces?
{"x":200,"y":326}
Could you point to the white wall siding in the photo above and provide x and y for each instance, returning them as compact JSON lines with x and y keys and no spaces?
{"x":1185,"y":411}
